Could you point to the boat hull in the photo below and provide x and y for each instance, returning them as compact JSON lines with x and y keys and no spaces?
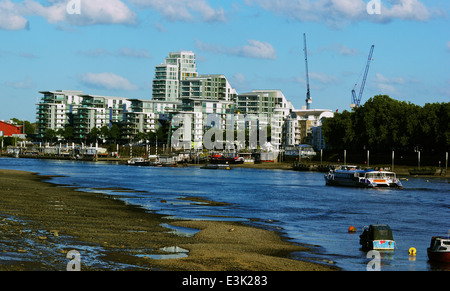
{"x":437,"y":256}
{"x":379,"y":245}
{"x":140,"y":163}
{"x":216,"y":167}
{"x":344,"y":183}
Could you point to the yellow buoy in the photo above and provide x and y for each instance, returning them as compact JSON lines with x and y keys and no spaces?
{"x":412,"y":252}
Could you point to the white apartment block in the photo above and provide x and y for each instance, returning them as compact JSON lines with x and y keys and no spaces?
{"x":98,"y":111}
{"x":144,"y":115}
{"x":269,"y":105}
{"x":178,"y":66}
{"x":304,"y":126}
{"x":198,"y":110}
{"x":178,"y":90}
{"x":57,"y":109}
{"x":214,"y":87}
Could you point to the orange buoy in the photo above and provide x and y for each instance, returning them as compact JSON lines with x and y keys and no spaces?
{"x":351,"y":229}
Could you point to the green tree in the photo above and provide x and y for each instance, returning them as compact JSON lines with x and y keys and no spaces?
{"x":338,"y":131}
{"x":60,"y":132}
{"x":114,"y":132}
{"x":68,"y":133}
{"x":104,"y":132}
{"x":94,"y":134}
{"x":141,"y":136}
{"x":383,"y":123}
{"x":50,"y":135}
{"x":29,"y":127}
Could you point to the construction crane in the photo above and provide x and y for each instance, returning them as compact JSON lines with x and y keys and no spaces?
{"x":357,"y":100}
{"x":308,"y":93}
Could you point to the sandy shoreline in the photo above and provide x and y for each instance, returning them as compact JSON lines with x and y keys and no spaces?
{"x":41,"y":222}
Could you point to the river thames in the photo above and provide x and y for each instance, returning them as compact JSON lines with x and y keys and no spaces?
{"x":297,"y":205}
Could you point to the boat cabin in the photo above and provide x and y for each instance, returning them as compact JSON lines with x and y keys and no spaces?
{"x":378,"y":232}
{"x":380,"y":175}
{"x":377,"y":237}
{"x":440,"y":244}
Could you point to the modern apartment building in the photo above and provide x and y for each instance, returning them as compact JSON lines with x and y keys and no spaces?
{"x":310,"y":121}
{"x":98,"y":111}
{"x":57,"y":109}
{"x":198,"y":110}
{"x":213,"y":87}
{"x":178,"y":66}
{"x":178,"y":90}
{"x":269,"y":105}
{"x":145,"y":115}
{"x":304,"y":126}
{"x":262,"y":101}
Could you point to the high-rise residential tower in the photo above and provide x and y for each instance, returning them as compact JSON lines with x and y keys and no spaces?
{"x":178,"y":66}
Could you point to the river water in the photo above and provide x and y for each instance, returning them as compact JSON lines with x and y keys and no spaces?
{"x":298,"y":205}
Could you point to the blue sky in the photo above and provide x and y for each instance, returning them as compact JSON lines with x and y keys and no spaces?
{"x":112,"y":47}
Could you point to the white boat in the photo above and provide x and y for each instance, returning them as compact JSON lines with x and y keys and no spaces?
{"x":353,"y":177}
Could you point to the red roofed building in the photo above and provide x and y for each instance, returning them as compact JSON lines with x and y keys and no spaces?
{"x":8,"y":130}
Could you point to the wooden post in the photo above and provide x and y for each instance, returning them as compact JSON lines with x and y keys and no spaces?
{"x":418,"y":159}
{"x":446,"y":162}
{"x":393,"y":155}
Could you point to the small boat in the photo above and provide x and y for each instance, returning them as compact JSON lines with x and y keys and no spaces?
{"x":354,"y":177}
{"x":377,"y":237}
{"x":216,"y":167}
{"x":220,"y":159}
{"x":439,"y":250}
{"x":138,"y":162}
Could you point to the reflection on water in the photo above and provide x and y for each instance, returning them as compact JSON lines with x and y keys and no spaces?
{"x":296,"y":204}
{"x":181,"y":231}
{"x":174,"y":252}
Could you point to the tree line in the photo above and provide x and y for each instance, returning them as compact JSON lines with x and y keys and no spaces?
{"x":103,"y":134}
{"x":385,"y":124}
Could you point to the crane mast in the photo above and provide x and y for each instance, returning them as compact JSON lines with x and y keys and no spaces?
{"x":308,"y":93}
{"x":357,"y":100}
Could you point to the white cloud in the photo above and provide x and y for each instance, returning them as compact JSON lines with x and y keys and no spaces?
{"x":13,"y":15}
{"x":382,"y":79}
{"x":108,"y":81}
{"x":339,"y":12}
{"x":184,"y":10}
{"x":239,"y":81}
{"x":9,"y":18}
{"x":258,"y":49}
{"x":406,"y":10}
{"x":26,"y":84}
{"x":391,"y":85}
{"x":323,"y":78}
{"x":130,"y":52}
{"x":103,"y":12}
{"x":341,"y":49}
{"x":122,"y":52}
{"x":254,"y":49}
